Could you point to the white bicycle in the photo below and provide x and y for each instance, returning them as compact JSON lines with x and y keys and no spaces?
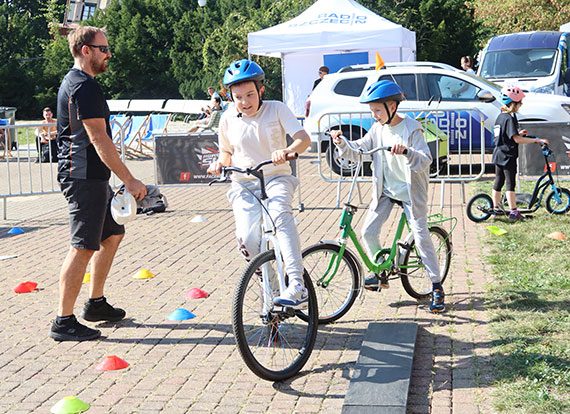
{"x":274,"y":341}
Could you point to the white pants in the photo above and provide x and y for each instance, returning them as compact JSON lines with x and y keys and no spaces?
{"x":248,"y":219}
{"x":376,"y":218}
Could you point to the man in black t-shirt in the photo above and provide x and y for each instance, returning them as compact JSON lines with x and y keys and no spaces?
{"x":87,"y":156}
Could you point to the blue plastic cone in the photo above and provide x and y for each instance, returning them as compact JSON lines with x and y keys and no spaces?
{"x":180,"y":315}
{"x":15,"y":230}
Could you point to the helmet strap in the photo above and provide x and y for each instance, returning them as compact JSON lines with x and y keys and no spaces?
{"x":390,"y":115}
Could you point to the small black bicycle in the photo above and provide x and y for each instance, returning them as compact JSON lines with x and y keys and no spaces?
{"x":480,"y":207}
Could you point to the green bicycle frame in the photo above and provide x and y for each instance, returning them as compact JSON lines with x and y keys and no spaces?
{"x":345,"y":225}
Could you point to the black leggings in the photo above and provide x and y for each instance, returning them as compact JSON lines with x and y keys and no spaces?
{"x":507,"y":172}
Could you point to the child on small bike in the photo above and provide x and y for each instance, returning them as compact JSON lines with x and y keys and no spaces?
{"x":397,"y":177}
{"x":507,"y":140}
{"x":250,"y":132}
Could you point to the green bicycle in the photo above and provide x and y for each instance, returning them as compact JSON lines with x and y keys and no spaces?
{"x":336,"y":271}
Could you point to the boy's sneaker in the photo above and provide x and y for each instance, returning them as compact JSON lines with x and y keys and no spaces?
{"x":295,"y":296}
{"x":101,"y":311}
{"x":437,"y":301}
{"x":384,"y":280}
{"x":71,"y":330}
{"x":375,"y":282}
{"x":516,"y":215}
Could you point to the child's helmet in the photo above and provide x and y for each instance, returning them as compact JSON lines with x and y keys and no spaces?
{"x":123,"y":206}
{"x":510,"y":94}
{"x":243,"y":70}
{"x":382,"y":91}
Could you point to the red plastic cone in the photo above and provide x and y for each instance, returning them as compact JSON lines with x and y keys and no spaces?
{"x":557,"y":235}
{"x":111,"y":363}
{"x":196,"y":293}
{"x":26,"y":287}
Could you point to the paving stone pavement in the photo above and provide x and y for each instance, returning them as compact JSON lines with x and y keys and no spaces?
{"x":194,"y":366}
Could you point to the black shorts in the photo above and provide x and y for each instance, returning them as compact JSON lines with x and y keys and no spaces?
{"x":90,"y":217}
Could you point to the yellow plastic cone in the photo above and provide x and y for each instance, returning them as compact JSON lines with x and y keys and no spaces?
{"x":497,"y":231}
{"x":557,"y":235}
{"x":69,"y":405}
{"x":143,"y":274}
{"x":87,"y":278}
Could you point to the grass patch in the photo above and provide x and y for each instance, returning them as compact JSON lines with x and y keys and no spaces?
{"x":529,"y":301}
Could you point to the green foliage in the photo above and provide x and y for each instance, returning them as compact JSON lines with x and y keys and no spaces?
{"x":445,"y":29}
{"x":508,"y":16}
{"x":24,"y":34}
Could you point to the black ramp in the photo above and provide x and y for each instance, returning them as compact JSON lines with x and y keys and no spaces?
{"x":381,"y":378}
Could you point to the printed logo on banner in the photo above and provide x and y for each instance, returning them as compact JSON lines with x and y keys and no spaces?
{"x":333,"y":18}
{"x":184,"y":176}
{"x":552,"y":166}
{"x":567,"y":144}
{"x":207,"y":155}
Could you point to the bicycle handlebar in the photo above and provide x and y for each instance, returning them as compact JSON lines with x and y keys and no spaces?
{"x":372,"y":151}
{"x":227,"y":170}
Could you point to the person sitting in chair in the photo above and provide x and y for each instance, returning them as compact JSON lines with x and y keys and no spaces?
{"x":212,"y":120}
{"x":46,"y":143}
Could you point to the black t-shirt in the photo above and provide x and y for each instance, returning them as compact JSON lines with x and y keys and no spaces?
{"x":80,"y":97}
{"x":506,"y":149}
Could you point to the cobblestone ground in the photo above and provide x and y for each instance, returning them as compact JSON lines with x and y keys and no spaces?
{"x":194,"y":366}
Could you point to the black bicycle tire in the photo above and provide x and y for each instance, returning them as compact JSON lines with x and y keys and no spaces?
{"x":239,"y":333}
{"x":472,"y":202}
{"x":404,"y":273}
{"x":549,"y":208}
{"x":353,"y":293}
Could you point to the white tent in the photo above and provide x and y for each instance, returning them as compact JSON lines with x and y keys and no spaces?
{"x":565,"y":27}
{"x":320,"y":34}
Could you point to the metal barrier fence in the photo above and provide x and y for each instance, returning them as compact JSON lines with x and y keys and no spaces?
{"x":457,"y":157}
{"x":26,"y":175}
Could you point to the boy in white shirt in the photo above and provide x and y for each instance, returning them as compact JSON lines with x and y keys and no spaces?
{"x":250,"y":132}
{"x":397,"y":177}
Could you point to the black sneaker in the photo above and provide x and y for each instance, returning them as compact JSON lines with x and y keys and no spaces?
{"x":384,"y":280}
{"x":101,"y":311}
{"x":71,"y":330}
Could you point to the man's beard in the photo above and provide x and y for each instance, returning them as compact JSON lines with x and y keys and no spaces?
{"x":99,"y":67}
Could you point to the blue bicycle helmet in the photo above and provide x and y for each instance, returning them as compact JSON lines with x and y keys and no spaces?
{"x":382,"y":91}
{"x":243,"y":70}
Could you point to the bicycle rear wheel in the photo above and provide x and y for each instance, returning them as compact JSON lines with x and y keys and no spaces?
{"x":274,"y":344}
{"x":336,"y":297}
{"x":414,"y":276}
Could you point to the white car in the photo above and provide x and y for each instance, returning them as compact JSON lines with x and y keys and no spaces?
{"x":427,"y":85}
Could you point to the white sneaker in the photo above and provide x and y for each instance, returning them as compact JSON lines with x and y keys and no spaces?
{"x":295,"y":296}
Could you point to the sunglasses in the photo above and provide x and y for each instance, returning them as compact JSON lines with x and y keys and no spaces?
{"x":102,"y":48}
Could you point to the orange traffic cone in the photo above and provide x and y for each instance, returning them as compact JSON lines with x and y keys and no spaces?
{"x":111,"y":363}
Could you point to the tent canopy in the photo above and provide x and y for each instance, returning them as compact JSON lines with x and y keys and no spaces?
{"x":565,"y":27}
{"x":327,"y":29}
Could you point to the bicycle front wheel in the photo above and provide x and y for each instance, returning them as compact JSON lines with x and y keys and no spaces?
{"x":336,"y":292}
{"x":414,"y":276}
{"x":275,"y":343}
{"x":480,"y":207}
{"x":554,"y":206}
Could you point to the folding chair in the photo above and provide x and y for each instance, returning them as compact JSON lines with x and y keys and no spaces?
{"x":121,"y":123}
{"x":136,"y":131}
{"x":156,"y":125}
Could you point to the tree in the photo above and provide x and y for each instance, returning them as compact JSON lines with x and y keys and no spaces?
{"x":24,"y":34}
{"x":508,"y":16}
{"x":445,"y":29}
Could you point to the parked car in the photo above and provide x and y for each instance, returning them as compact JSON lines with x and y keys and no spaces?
{"x":534,"y":61}
{"x":428,"y":85}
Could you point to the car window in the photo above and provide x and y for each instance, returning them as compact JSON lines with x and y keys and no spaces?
{"x":451,"y":88}
{"x":350,"y":87}
{"x":406,"y":82}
